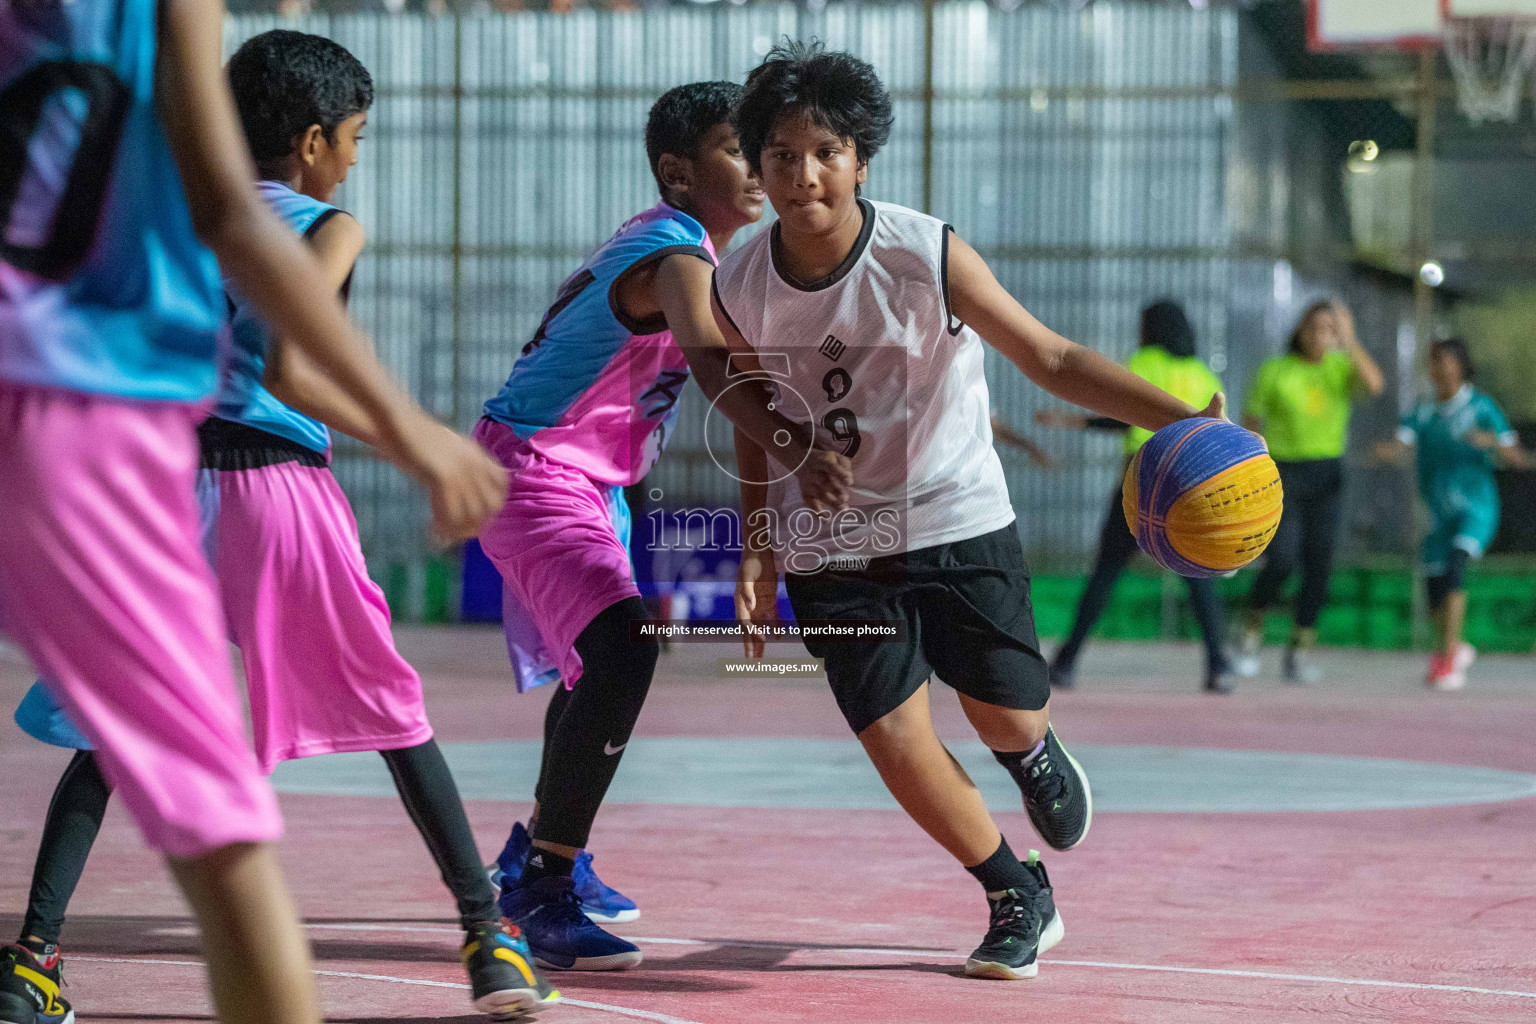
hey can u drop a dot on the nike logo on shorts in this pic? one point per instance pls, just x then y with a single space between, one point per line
610 749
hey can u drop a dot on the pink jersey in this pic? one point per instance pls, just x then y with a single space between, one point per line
595 390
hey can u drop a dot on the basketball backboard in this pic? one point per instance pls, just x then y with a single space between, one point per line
1399 24
1374 24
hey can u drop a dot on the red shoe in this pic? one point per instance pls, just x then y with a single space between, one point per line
1443 674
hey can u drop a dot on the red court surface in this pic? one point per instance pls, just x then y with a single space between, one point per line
791 913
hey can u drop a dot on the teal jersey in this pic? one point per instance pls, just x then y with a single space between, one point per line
104 288
1455 477
242 397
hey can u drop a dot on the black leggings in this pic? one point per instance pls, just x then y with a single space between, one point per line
1116 547
1454 578
587 727
74 817
421 775
1314 493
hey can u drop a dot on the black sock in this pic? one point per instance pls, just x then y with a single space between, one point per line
43 948
431 798
74 817
542 863
1002 871
1018 762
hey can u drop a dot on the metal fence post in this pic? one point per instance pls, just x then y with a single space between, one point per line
929 7
457 287
1426 97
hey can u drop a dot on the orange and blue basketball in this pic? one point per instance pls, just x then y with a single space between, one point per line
1203 497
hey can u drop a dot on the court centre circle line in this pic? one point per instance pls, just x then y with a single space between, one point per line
622 1011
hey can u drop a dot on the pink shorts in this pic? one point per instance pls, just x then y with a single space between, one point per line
557 544
312 627
104 584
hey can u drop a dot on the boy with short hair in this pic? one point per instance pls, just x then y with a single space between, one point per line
879 312
101 578
587 410
321 668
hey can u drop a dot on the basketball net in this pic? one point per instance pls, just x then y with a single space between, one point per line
1491 58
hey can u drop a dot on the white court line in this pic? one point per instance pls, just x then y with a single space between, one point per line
1415 985
622 1011
1102 965
647 940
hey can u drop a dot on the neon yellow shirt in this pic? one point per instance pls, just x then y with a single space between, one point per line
1303 406
1184 377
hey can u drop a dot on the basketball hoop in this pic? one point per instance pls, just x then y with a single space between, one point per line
1491 47
1492 59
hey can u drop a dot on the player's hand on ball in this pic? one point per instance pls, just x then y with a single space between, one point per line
1217 409
466 486
825 479
757 598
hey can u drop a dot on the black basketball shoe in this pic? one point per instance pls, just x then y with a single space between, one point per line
503 980
29 987
1056 795
1024 925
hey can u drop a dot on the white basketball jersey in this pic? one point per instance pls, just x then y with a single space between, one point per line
871 356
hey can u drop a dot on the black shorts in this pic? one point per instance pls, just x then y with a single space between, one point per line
968 616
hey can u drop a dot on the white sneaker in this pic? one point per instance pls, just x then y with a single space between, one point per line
1466 654
1246 662
1299 669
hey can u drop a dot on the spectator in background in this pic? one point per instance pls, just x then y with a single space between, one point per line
1461 435
1300 402
1166 358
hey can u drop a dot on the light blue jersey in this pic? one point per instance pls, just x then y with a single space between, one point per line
103 286
594 390
242 397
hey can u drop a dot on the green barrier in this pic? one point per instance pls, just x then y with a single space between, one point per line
1370 606
422 592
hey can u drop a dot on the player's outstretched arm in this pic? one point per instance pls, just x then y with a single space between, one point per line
270 264
1003 431
682 291
1065 369
294 377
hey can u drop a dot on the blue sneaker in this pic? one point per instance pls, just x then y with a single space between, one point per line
509 864
602 903
561 937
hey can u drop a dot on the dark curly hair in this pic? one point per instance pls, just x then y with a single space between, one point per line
836 90
1457 349
1164 324
284 82
682 117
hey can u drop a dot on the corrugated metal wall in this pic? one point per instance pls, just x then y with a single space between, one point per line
1084 153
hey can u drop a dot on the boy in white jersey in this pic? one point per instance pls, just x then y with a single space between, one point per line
874 315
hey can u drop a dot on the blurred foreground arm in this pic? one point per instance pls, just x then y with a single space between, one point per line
270 264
